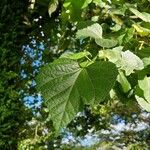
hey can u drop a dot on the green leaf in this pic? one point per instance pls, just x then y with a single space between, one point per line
73 9
142 15
93 31
127 36
86 3
144 72
144 52
108 43
141 31
119 11
84 24
146 61
116 27
131 62
126 61
52 6
124 82
113 55
116 19
76 56
145 86
66 87
143 103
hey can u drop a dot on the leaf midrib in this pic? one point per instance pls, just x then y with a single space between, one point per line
69 97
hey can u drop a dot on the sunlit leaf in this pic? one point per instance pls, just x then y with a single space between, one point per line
144 85
143 103
113 55
119 11
115 28
116 19
86 3
142 15
52 6
108 43
146 61
93 31
141 31
76 56
124 82
131 62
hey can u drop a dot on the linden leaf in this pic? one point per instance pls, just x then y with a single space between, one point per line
66 87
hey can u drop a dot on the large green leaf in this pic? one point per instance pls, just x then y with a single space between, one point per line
66 87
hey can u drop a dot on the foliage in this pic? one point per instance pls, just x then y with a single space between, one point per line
55 87
100 62
12 37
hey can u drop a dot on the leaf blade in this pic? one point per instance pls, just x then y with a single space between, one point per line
66 87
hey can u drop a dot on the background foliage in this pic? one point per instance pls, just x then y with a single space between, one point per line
13 113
